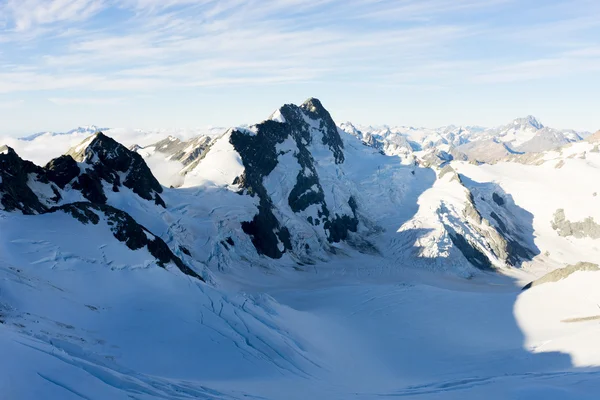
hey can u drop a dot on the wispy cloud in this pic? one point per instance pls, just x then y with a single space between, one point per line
78 50
27 14
180 32
89 101
568 63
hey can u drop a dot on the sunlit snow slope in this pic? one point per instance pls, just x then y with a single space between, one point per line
297 261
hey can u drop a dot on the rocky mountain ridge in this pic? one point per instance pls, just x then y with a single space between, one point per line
520 136
76 184
298 176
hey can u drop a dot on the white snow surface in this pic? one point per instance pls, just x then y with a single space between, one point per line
545 188
83 316
75 326
220 166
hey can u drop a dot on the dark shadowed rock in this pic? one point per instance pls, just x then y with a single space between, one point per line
259 154
62 170
498 199
471 253
109 161
184 151
15 193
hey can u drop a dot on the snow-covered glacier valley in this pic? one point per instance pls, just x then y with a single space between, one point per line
295 261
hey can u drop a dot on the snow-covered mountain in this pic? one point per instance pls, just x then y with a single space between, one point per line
82 130
174 157
41 148
184 151
522 135
298 259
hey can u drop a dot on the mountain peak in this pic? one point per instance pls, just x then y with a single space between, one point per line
7 150
115 164
15 175
86 129
349 128
528 121
313 105
97 143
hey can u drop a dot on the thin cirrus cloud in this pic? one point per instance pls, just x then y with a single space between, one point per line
102 52
93 101
27 14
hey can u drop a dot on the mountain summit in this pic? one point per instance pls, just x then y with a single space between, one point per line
527 122
111 162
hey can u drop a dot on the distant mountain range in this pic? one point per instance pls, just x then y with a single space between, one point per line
522 135
82 130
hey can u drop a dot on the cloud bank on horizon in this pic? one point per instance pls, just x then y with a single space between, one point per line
166 63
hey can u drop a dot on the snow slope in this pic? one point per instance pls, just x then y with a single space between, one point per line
409 285
557 180
147 333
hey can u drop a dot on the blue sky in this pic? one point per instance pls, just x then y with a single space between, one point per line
189 63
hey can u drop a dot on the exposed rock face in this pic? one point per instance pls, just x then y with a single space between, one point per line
475 256
563 273
34 190
497 199
488 151
439 158
126 230
15 176
498 223
184 151
579 229
488 229
62 170
307 126
111 162
547 139
259 156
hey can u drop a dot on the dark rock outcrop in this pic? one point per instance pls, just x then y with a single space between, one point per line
103 160
15 193
62 170
109 161
184 151
578 229
563 273
259 155
475 256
